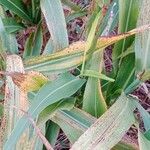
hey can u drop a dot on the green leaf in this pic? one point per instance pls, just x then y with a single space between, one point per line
125 145
142 40
93 101
52 132
63 87
11 25
145 116
17 7
28 46
108 130
53 13
74 122
49 111
34 43
91 73
36 11
52 128
2 97
75 15
38 41
1 110
110 21
92 36
124 67
8 41
3 37
147 134
123 79
127 52
49 47
128 14
144 143
12 45
70 4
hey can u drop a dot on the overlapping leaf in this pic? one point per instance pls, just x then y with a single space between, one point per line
34 43
11 25
110 128
73 55
14 98
55 20
124 67
52 92
17 7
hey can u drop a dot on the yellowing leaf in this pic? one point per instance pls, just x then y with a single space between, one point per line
30 81
106 41
144 75
74 52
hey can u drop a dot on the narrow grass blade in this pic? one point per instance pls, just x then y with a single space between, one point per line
17 7
8 41
75 15
72 5
53 13
34 43
91 73
12 26
124 67
128 14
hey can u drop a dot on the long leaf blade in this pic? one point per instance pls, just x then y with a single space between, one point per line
142 41
72 56
63 87
108 130
55 20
